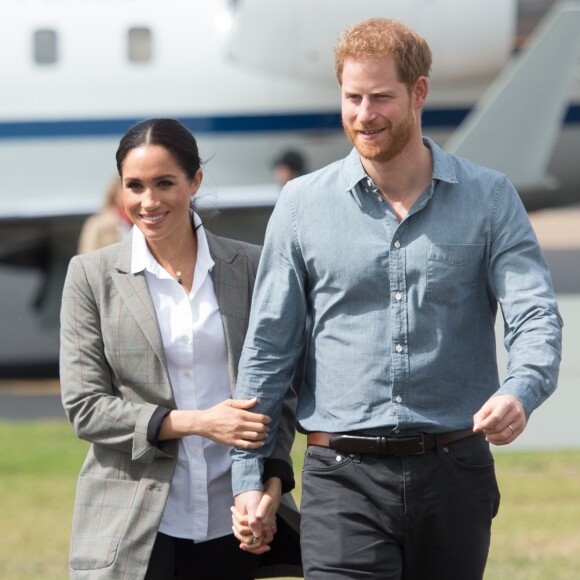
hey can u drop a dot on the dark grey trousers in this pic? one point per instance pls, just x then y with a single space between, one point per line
419 517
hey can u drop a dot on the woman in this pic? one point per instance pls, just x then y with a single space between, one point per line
151 334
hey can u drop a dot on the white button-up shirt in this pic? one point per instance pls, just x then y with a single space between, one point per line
198 506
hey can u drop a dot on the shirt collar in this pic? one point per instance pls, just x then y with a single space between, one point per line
142 259
354 172
443 169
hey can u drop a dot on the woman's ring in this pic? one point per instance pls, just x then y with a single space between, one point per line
511 429
255 540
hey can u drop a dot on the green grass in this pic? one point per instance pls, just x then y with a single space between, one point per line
536 534
39 463
535 537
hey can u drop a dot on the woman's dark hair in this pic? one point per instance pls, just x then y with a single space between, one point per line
167 133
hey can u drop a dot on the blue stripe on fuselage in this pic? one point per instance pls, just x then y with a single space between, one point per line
432 118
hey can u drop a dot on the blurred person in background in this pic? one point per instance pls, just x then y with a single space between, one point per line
289 165
108 226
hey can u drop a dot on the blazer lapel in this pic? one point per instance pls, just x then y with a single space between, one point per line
232 288
134 291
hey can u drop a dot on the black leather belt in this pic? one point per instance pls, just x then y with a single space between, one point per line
406 445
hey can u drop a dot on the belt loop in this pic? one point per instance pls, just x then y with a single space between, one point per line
384 445
423 448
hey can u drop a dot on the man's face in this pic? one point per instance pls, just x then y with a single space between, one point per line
377 109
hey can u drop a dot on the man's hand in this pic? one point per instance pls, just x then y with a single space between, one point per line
254 517
502 418
247 526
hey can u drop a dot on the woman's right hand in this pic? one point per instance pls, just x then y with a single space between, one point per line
228 423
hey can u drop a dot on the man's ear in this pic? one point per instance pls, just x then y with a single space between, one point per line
420 92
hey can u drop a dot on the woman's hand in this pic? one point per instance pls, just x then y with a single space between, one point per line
254 517
228 423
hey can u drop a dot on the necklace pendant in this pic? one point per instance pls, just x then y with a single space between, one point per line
179 278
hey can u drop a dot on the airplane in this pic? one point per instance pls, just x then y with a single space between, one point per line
250 78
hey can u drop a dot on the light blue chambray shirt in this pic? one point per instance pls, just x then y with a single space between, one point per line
401 336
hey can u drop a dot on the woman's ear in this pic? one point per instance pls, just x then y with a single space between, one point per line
196 181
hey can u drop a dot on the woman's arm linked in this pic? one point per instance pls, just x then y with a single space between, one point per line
228 423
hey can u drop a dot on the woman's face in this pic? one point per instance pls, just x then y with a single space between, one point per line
157 192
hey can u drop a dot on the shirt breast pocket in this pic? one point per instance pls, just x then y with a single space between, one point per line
452 272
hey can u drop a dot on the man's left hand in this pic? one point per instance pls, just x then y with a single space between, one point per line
502 418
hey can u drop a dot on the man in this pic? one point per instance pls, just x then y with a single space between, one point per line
288 166
400 254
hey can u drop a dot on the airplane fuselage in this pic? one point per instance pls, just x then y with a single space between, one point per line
250 78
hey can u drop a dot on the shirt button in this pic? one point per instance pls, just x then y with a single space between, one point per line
398 296
398 399
397 431
186 374
397 244
197 452
184 339
399 348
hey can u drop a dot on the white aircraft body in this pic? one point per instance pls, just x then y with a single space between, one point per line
251 78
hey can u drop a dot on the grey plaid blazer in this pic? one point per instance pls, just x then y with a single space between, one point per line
113 376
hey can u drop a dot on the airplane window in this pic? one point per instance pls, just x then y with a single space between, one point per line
140 49
45 46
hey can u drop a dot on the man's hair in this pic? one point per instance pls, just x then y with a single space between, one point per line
378 38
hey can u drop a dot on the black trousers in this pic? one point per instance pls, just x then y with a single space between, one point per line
418 517
219 559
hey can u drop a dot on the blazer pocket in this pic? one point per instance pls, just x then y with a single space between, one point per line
452 272
102 510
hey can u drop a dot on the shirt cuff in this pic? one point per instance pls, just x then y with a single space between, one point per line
279 468
247 475
522 392
154 425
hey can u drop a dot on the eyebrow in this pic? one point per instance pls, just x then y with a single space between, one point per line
164 176
373 92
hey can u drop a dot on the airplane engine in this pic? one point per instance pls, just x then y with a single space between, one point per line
470 40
